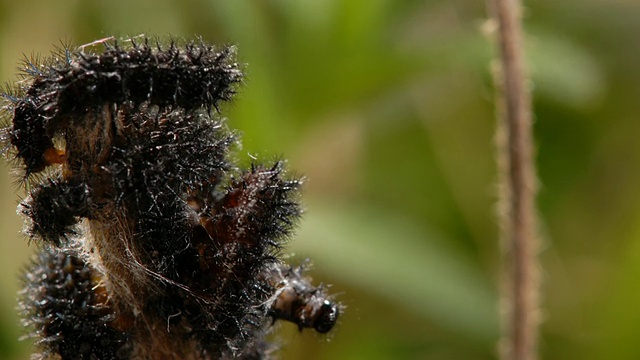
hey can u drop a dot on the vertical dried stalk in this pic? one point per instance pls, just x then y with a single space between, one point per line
519 219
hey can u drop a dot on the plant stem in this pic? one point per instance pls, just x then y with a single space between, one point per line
519 183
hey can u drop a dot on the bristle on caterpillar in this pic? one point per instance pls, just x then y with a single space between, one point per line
149 226
190 76
64 302
296 300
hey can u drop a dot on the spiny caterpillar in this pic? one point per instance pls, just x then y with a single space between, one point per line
154 244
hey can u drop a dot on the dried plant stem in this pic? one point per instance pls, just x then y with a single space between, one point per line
519 184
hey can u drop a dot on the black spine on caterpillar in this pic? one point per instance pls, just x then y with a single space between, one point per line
154 167
55 208
159 152
29 136
65 306
296 300
237 239
188 242
190 77
166 172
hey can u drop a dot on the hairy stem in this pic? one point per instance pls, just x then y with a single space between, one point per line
519 188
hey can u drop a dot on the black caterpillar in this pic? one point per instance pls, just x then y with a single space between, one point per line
154 244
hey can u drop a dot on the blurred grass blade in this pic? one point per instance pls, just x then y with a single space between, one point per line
377 252
563 70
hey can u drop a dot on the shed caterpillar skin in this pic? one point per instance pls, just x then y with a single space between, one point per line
155 245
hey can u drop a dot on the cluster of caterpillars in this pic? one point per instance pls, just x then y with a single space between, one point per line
154 244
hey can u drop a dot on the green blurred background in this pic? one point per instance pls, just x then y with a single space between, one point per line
387 107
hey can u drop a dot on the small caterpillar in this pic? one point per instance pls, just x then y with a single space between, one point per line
155 245
296 300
